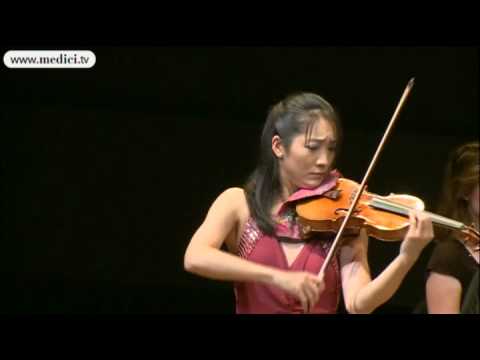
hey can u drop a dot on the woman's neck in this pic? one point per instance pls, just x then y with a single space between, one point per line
285 192
287 188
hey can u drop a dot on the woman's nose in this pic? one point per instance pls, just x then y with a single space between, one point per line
322 159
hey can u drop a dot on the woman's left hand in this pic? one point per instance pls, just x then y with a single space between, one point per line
418 236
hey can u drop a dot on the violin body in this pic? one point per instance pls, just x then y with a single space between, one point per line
326 213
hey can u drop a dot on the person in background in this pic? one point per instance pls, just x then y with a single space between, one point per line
453 263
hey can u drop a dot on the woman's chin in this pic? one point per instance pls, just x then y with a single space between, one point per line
312 184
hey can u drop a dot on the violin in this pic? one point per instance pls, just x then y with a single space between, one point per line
351 208
383 217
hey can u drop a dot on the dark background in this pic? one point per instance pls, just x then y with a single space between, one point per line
107 172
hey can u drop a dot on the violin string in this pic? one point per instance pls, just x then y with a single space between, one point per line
404 209
439 220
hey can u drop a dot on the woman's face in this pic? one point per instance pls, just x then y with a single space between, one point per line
306 165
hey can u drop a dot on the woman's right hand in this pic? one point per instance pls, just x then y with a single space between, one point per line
304 286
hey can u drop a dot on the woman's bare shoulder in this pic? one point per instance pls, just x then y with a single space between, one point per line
234 199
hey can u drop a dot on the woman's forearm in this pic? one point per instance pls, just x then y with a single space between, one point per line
384 286
220 265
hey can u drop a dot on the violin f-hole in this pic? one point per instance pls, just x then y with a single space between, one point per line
337 211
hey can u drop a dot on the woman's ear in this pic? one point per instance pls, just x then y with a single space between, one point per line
277 147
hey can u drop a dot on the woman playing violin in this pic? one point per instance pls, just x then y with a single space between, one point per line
275 270
453 263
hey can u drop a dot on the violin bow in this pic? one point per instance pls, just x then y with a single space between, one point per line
335 243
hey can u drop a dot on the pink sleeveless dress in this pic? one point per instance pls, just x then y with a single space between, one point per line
254 297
